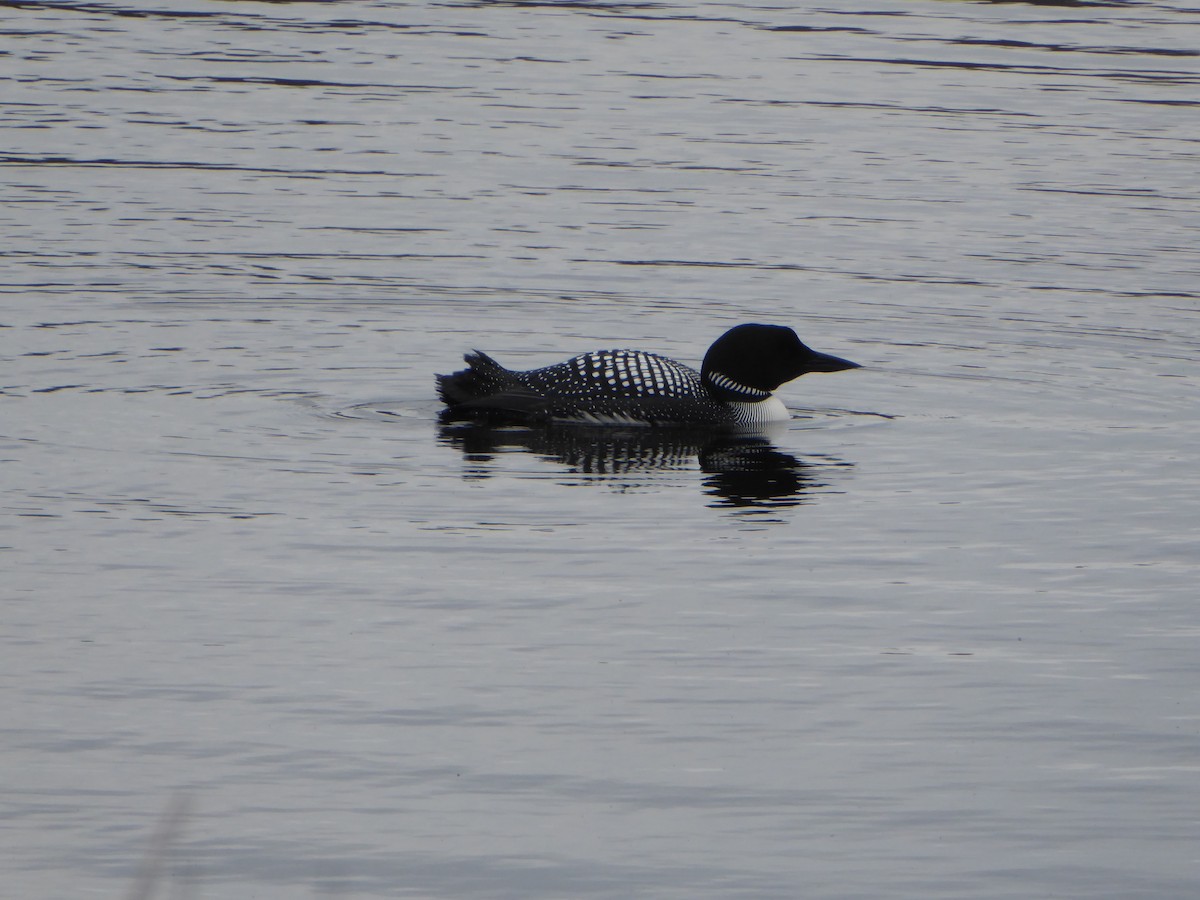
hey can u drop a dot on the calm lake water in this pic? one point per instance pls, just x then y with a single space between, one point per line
270 631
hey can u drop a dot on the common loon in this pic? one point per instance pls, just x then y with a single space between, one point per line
732 390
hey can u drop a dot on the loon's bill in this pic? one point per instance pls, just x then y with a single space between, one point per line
733 389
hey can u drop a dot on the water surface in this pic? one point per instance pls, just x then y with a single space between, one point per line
270 630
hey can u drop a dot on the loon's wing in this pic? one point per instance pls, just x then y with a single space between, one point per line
517 402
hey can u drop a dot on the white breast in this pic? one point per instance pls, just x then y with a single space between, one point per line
761 412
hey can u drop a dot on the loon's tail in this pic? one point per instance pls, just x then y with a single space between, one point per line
484 378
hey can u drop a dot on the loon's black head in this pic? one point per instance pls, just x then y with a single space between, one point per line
761 358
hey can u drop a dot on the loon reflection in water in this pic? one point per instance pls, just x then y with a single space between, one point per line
743 470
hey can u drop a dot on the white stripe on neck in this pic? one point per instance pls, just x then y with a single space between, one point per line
726 383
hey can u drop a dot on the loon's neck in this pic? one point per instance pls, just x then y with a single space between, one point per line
725 388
